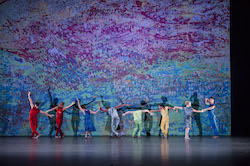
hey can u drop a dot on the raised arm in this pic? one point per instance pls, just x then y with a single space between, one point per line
94 112
120 106
30 100
80 107
45 113
69 106
206 101
104 110
128 112
51 109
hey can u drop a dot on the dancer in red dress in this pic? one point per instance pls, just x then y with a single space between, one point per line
33 116
59 117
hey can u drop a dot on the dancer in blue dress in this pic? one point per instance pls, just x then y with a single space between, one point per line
89 125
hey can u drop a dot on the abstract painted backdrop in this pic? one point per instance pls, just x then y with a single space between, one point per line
125 51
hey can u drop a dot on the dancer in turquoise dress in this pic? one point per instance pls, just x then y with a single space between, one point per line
89 125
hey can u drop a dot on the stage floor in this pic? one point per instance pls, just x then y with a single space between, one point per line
124 151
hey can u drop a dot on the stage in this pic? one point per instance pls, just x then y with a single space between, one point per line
124 151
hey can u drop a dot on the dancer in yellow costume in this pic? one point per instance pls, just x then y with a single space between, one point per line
165 118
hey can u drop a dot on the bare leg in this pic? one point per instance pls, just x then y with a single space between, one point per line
86 134
187 133
89 134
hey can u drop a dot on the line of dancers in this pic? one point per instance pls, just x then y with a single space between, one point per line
115 119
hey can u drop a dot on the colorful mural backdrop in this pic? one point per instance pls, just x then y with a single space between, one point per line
118 51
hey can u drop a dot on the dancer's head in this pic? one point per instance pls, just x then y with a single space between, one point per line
61 105
37 104
188 103
211 100
161 106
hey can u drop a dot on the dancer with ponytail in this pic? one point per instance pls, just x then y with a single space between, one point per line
89 125
59 117
33 116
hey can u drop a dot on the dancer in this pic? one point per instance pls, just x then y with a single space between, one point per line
211 106
33 116
148 119
165 118
52 120
112 111
89 126
164 102
138 121
75 119
59 117
187 118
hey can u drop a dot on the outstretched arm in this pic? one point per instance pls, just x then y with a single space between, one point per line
129 112
180 108
30 100
199 111
51 109
69 106
148 112
209 108
80 107
155 111
172 109
104 110
94 112
120 106
45 113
